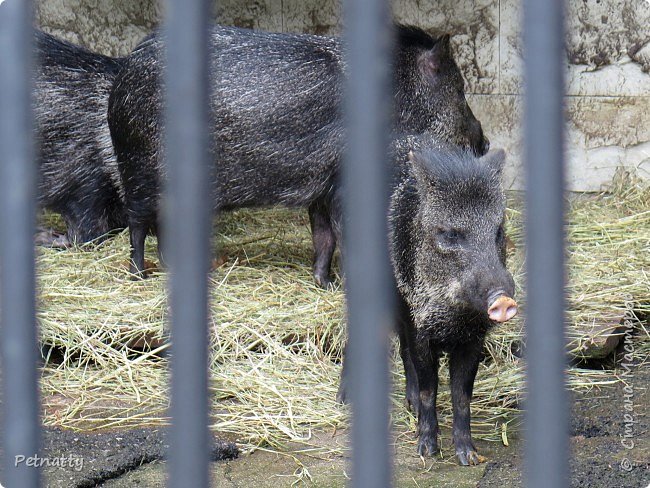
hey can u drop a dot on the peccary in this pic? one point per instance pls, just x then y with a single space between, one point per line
447 247
78 175
278 134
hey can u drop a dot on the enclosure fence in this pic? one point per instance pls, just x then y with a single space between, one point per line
367 268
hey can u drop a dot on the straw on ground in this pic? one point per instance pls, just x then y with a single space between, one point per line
276 339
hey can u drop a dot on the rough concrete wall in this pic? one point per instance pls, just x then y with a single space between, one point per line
607 59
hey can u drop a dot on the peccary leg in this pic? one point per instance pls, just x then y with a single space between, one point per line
160 247
426 369
463 365
412 387
137 234
342 394
336 223
420 359
324 242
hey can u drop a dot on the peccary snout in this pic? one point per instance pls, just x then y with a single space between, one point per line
502 308
485 146
489 290
77 167
479 143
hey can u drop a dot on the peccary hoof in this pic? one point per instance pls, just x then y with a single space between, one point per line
324 281
467 455
138 275
412 399
149 267
428 444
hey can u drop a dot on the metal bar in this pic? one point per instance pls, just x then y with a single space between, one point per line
20 399
368 273
187 230
546 446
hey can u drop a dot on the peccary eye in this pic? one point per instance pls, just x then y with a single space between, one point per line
449 237
500 234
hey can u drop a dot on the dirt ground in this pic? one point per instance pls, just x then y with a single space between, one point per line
601 455
608 450
599 458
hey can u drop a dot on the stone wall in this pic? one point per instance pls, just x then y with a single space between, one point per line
607 59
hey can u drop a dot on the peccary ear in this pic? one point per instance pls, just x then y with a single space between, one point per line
433 60
420 172
495 160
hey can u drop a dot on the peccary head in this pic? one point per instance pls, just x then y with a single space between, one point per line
448 244
430 93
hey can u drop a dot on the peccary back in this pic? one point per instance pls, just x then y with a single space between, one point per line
78 175
276 103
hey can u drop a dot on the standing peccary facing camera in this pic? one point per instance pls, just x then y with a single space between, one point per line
77 167
447 247
278 133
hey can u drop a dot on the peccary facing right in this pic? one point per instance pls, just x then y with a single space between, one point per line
278 131
447 247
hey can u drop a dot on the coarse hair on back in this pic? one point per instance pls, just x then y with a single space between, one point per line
51 51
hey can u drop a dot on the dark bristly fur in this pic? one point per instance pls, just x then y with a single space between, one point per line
78 175
447 247
278 135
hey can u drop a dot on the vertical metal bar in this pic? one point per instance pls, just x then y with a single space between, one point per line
546 445
187 229
20 399
368 273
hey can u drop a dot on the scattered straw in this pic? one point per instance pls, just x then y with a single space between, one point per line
276 338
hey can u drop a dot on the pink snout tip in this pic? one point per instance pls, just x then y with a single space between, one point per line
502 309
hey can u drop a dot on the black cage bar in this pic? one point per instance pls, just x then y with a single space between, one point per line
187 229
187 210
20 419
546 436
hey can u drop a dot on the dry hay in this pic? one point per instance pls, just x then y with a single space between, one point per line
276 338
